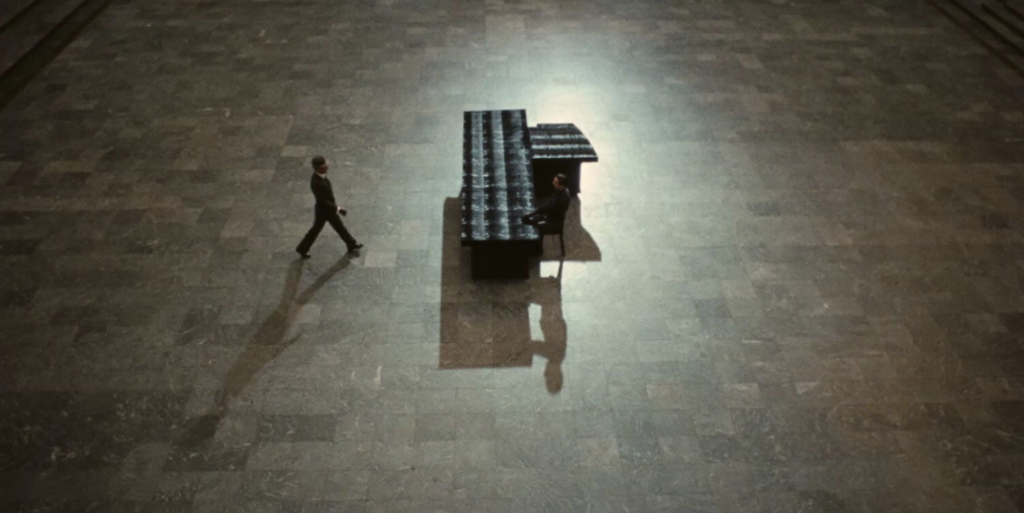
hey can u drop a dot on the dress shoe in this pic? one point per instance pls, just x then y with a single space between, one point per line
354 247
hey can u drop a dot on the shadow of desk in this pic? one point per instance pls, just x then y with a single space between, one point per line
487 324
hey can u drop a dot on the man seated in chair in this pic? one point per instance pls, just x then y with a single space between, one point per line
550 217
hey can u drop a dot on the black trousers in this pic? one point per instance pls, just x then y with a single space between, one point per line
322 217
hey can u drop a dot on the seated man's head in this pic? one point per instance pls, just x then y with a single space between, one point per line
559 182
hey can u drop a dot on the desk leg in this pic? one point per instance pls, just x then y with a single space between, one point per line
543 172
573 174
502 263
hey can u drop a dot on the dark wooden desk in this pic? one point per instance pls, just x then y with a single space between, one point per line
497 191
559 148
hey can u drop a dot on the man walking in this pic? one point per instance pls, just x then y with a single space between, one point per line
325 211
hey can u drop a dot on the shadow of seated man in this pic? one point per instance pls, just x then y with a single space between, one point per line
550 217
552 325
548 294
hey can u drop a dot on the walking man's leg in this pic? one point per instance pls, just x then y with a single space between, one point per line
350 241
311 235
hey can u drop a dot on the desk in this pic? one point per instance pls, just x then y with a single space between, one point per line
559 148
497 191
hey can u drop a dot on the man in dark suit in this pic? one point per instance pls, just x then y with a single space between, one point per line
325 211
551 216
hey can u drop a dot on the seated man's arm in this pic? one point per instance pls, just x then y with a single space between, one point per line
555 206
552 206
544 210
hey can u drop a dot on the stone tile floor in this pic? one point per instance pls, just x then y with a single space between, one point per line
794 280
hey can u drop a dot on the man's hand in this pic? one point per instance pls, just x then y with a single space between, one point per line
342 211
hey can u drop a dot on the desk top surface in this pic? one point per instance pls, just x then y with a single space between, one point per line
561 141
497 178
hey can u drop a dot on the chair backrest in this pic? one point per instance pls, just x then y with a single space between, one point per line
557 223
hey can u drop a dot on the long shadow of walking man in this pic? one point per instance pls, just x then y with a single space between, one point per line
266 343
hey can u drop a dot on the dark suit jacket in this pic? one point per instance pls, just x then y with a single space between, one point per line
556 207
324 193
